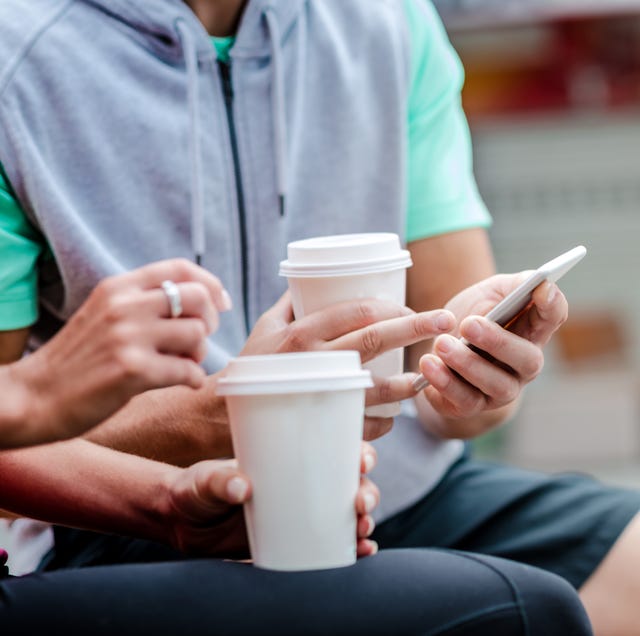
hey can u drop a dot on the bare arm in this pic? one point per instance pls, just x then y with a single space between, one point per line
175 425
12 344
80 484
79 495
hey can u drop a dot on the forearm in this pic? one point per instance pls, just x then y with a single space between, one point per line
177 425
80 484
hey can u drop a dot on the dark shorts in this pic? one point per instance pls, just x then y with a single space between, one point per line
398 592
563 523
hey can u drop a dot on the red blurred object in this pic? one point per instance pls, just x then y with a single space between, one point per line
579 63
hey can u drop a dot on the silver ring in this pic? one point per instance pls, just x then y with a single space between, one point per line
172 292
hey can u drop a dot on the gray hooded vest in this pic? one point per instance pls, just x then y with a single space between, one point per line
127 142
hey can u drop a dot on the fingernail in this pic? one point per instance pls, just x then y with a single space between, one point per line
226 303
371 526
369 502
374 547
473 328
369 462
444 322
553 290
237 489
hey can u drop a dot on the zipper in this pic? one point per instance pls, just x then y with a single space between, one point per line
227 91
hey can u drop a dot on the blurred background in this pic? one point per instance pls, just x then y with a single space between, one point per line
553 99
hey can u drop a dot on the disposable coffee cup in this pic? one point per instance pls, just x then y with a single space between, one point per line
330 269
296 424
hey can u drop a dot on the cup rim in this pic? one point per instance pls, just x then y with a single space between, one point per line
294 380
282 385
401 260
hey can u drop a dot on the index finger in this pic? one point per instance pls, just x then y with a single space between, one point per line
390 334
341 318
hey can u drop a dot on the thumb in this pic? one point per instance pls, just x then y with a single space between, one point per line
283 309
208 488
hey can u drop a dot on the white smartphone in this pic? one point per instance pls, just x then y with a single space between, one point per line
510 307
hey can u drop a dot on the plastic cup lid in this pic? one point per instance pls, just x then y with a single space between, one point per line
344 255
294 373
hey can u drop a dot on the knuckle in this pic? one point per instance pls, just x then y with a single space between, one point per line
183 371
470 404
371 342
296 339
421 326
115 309
182 268
493 341
365 312
533 365
385 391
129 363
120 336
106 287
507 391
200 295
199 331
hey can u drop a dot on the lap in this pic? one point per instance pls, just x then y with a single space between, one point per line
396 592
565 524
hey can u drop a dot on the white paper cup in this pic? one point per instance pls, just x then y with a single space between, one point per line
296 424
330 269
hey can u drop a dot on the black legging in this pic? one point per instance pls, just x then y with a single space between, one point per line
422 592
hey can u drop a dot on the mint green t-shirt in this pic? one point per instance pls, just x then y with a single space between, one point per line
441 191
20 248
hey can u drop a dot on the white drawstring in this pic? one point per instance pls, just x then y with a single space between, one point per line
197 182
277 108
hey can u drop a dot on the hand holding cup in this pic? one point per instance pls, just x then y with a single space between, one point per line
204 516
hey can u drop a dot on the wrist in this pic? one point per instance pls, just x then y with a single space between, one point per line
218 417
15 417
158 509
204 430
452 427
27 416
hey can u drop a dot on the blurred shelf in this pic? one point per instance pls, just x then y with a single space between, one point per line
469 16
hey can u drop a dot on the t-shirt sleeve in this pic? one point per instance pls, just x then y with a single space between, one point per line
20 248
442 192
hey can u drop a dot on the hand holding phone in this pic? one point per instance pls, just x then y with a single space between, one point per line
512 305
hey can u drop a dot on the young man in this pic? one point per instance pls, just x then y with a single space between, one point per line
300 118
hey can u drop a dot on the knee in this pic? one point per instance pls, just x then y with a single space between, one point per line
550 605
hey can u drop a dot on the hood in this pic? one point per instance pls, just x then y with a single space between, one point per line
172 30
157 19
